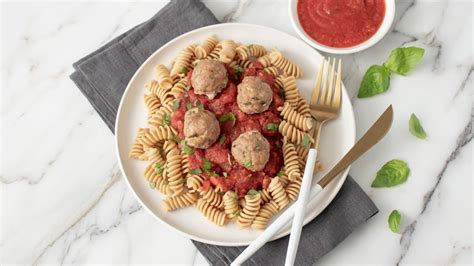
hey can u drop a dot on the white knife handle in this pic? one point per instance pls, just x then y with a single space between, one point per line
271 230
300 207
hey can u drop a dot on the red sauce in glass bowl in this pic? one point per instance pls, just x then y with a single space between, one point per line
341 23
225 172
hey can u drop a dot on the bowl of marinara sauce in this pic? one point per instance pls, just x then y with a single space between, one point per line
342 26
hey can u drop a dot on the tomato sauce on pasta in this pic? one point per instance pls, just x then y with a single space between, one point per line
225 172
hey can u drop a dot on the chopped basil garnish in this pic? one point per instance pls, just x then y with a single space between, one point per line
305 141
175 138
236 213
228 116
280 173
152 185
195 171
185 148
222 139
272 126
166 119
188 106
206 165
184 70
248 163
252 192
201 107
238 69
187 88
176 104
159 169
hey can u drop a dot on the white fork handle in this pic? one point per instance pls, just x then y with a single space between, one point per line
271 230
300 207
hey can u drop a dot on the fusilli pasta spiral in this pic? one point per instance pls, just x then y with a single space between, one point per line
163 77
227 54
296 119
137 151
194 182
265 60
244 52
291 91
152 102
302 107
213 198
284 64
179 87
183 62
156 135
293 134
174 171
231 204
213 214
161 116
265 195
180 201
202 51
266 212
250 211
290 157
293 189
278 193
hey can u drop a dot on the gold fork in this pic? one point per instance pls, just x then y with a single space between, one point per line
324 106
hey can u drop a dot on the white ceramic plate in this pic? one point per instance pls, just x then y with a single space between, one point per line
336 138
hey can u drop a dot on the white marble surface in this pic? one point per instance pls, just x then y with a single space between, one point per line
65 201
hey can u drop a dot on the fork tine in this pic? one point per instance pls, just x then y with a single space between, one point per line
331 83
337 93
324 91
317 88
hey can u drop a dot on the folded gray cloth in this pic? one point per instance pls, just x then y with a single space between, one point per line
102 77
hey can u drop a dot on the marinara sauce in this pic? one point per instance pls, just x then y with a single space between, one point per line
224 171
341 23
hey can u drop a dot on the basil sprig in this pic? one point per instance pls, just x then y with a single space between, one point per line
394 172
377 78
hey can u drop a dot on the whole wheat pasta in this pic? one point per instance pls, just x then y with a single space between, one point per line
250 211
284 64
180 201
202 51
244 52
296 119
180 171
266 212
278 193
213 214
163 77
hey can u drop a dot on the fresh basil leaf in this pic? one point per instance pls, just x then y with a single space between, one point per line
185 148
415 127
305 141
166 119
394 172
201 107
213 173
187 88
196 171
159 168
184 70
280 173
188 106
228 116
175 104
394 221
248 163
375 81
237 69
206 165
175 138
403 60
252 192
222 139
272 126
152 185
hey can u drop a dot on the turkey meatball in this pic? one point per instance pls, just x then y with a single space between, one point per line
251 150
201 128
209 78
253 95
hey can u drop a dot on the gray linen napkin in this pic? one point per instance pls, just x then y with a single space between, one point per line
102 77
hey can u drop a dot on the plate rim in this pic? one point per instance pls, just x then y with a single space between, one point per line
310 217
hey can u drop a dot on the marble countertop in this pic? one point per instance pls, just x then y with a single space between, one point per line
64 199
